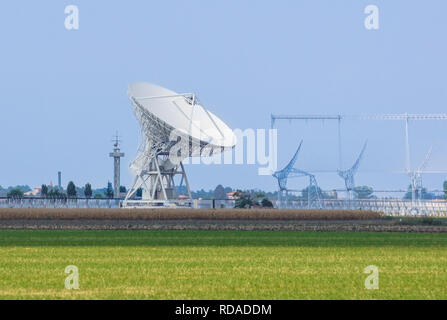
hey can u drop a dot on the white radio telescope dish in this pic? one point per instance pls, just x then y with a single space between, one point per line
171 122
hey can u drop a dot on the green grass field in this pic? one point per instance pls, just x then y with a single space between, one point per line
221 265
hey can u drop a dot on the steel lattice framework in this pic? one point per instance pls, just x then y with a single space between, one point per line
313 191
402 117
348 175
174 127
414 177
154 172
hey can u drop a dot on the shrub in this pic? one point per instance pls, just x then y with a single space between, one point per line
15 193
266 203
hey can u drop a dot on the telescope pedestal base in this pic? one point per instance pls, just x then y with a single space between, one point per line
158 186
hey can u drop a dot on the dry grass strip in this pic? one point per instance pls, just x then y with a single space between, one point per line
184 214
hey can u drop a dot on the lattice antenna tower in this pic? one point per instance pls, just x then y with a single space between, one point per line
349 175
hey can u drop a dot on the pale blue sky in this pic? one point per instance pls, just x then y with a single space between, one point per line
63 93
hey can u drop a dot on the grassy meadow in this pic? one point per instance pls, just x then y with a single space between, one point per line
221 265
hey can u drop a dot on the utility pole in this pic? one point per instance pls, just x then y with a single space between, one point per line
116 155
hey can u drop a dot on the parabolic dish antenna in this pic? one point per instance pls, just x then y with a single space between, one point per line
171 124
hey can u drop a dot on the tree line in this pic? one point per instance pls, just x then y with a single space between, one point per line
219 193
73 192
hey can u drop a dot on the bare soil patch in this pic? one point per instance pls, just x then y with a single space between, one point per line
230 225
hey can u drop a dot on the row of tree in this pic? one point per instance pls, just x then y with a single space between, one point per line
73 192
220 192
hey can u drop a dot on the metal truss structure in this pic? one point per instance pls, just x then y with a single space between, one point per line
173 127
378 117
415 178
338 118
348 175
154 171
401 117
313 191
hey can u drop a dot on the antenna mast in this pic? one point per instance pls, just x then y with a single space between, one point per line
116 155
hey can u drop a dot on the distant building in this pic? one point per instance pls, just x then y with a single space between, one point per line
232 195
33 193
